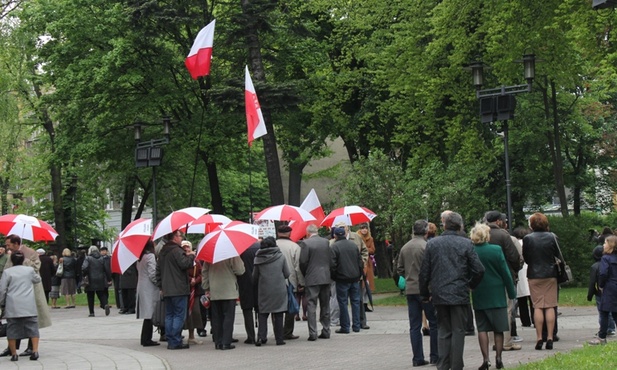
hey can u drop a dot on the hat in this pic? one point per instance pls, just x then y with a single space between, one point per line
40 251
185 243
492 216
340 224
283 229
339 232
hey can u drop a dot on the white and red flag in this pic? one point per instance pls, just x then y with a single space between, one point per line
200 56
311 203
254 119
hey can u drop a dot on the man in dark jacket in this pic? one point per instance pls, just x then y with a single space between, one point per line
315 266
451 268
173 281
47 271
346 269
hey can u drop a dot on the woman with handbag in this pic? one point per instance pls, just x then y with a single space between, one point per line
541 251
95 276
68 286
269 274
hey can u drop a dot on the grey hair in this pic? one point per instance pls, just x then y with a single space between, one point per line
92 249
452 221
312 229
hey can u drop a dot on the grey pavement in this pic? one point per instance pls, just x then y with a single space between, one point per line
76 341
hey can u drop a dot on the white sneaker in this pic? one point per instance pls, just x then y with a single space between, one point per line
611 333
597 341
517 339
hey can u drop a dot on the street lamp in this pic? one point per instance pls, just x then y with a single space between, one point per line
150 154
74 186
498 104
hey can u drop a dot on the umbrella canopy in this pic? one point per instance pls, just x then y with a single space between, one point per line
27 227
285 212
131 242
227 242
350 215
207 223
177 220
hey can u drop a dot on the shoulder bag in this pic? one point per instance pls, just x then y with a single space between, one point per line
564 273
60 270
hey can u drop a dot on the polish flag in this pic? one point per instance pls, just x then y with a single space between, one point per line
200 56
254 119
311 203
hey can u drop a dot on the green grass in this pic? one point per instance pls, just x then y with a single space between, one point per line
568 297
589 357
82 300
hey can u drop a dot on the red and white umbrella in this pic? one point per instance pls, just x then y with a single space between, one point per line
350 215
227 242
207 223
131 242
27 227
178 220
285 212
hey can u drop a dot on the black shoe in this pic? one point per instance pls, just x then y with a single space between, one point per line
281 343
5 353
258 343
234 340
485 366
341 331
34 356
202 333
91 315
122 312
549 344
323 336
539 345
131 312
14 358
163 338
312 339
366 327
151 344
107 310
366 309
179 346
291 336
420 363
426 332
226 347
498 363
27 352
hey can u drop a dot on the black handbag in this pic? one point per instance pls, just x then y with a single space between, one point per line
564 273
158 317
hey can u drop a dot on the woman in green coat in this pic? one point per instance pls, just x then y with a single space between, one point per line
489 298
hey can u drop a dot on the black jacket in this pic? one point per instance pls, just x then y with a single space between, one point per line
539 251
346 265
246 289
98 272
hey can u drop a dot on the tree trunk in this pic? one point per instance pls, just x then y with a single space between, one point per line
295 183
269 140
213 180
127 200
4 191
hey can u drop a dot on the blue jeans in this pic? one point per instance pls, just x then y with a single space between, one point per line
343 291
175 313
415 306
611 322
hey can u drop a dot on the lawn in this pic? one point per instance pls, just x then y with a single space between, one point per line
389 295
82 300
589 357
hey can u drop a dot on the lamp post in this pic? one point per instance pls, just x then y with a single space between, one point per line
150 154
498 104
74 185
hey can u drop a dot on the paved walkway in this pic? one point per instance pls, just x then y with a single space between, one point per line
77 342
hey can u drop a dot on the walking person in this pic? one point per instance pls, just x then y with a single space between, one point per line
539 251
315 266
98 274
451 268
489 297
148 294
408 267
269 274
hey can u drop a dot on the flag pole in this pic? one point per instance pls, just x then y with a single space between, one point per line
201 127
250 185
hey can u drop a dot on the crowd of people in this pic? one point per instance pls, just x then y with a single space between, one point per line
450 280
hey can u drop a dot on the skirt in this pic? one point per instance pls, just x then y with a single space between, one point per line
55 291
492 319
543 292
68 286
22 327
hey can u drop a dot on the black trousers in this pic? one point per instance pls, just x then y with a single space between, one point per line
277 324
146 332
102 299
128 299
249 324
223 315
